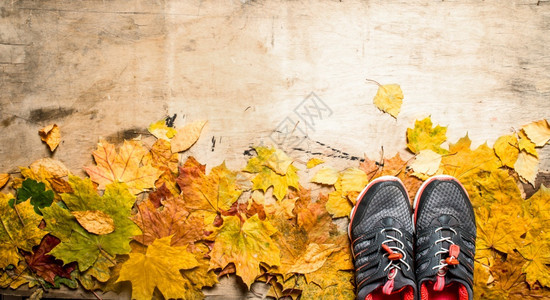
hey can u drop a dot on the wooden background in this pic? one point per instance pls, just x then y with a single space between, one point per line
256 69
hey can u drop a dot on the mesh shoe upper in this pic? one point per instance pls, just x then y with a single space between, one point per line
381 232
445 238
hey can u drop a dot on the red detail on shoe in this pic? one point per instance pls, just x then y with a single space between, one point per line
452 291
439 283
388 287
405 293
452 260
392 255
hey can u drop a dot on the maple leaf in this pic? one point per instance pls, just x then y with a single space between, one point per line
424 137
496 186
389 99
507 149
77 244
159 267
314 162
4 178
350 182
51 135
247 245
187 136
329 273
161 157
495 231
207 194
161 131
313 258
268 166
45 265
426 162
36 192
537 254
17 276
124 166
18 230
342 290
538 132
169 220
394 166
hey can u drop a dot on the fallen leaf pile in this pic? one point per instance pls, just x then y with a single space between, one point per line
170 228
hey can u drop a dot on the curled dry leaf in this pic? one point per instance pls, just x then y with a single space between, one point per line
538 132
187 136
95 221
4 178
527 167
51 135
53 166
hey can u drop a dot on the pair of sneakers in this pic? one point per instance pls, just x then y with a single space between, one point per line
425 253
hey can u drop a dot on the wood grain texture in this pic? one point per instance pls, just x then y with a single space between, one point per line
109 68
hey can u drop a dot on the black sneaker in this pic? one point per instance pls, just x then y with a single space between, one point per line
381 234
445 240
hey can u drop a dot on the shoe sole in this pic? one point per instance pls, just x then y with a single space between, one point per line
385 178
424 185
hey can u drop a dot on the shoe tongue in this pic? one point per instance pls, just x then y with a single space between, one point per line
399 283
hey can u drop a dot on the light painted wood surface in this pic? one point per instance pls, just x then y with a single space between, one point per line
109 68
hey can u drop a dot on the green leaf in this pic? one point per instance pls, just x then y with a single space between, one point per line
36 191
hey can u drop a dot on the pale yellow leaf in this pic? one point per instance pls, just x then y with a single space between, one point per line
525 144
313 258
326 175
527 166
389 98
507 149
538 132
353 180
51 135
95 221
187 136
314 162
426 162
53 166
279 162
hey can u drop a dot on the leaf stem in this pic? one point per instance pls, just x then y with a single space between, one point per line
370 80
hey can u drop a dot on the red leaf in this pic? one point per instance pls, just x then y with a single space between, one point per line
45 265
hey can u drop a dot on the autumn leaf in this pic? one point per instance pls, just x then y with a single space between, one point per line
169 220
426 162
45 265
313 258
527 167
538 132
537 254
51 135
162 131
95 221
507 149
314 162
425 137
36 192
495 231
19 230
161 157
187 136
389 99
4 178
525 144
159 268
326 175
124 166
77 244
207 194
247 245
268 168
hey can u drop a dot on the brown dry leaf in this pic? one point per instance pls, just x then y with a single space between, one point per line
4 178
389 98
527 167
51 135
95 221
538 132
187 136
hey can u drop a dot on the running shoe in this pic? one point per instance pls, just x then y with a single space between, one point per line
445 240
381 234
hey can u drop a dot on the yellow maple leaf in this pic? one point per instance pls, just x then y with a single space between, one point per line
125 166
326 175
423 136
353 180
247 245
527 167
161 131
187 136
538 132
426 162
51 135
314 162
389 99
537 254
159 267
279 162
4 178
507 149
495 231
